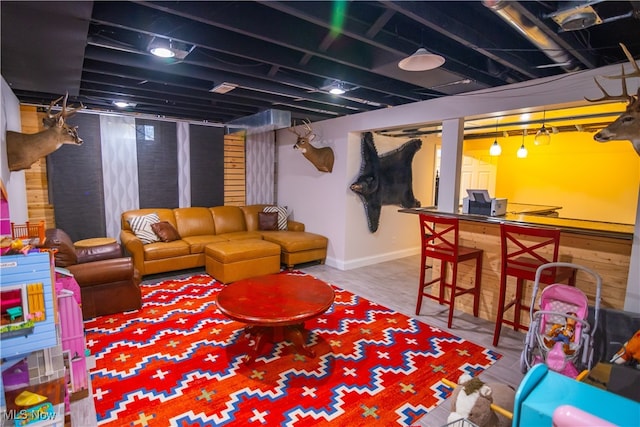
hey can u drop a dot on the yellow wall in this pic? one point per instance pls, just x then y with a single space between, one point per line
590 180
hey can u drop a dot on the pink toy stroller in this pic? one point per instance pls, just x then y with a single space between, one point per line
559 334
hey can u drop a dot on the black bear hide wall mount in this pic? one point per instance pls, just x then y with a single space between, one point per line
386 179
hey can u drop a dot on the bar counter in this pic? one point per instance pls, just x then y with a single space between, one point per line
518 213
600 246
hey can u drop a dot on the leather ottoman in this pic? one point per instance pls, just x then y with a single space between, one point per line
240 259
298 247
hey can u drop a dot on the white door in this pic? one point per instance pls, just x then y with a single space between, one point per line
478 171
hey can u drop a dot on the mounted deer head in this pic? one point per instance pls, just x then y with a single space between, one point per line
23 149
322 158
627 125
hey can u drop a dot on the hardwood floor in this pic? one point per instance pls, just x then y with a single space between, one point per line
394 284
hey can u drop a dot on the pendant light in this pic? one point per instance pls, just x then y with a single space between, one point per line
421 60
495 149
543 137
522 151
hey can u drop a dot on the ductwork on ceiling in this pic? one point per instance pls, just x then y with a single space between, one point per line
578 15
528 29
264 121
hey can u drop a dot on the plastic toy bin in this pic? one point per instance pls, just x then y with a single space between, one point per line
542 391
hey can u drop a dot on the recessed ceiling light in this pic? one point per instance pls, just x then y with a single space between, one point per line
163 52
223 87
337 88
124 104
167 48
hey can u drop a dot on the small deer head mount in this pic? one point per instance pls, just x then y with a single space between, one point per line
23 150
627 125
321 158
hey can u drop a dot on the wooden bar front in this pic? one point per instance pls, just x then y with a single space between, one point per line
606 253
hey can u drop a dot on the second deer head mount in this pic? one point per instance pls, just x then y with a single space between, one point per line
627 125
322 158
24 149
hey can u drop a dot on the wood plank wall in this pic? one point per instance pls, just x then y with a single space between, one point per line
234 169
38 205
608 257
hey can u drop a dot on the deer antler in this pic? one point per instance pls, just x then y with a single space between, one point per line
624 96
307 125
635 73
52 119
627 125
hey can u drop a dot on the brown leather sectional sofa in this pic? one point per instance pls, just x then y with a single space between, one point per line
201 226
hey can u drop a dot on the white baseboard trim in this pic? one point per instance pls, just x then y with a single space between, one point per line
375 259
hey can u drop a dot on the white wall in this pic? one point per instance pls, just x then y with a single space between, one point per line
324 202
14 182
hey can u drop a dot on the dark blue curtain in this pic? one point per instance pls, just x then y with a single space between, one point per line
157 150
207 165
75 182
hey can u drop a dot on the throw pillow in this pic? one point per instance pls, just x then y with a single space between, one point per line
141 227
282 215
165 231
267 220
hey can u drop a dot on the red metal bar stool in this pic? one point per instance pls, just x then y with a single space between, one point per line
440 240
524 249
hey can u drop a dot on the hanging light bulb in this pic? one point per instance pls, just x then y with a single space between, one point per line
522 151
495 149
543 137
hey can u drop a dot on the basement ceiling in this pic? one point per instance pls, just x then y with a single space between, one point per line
286 54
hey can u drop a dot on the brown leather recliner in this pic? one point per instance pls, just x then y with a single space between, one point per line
108 282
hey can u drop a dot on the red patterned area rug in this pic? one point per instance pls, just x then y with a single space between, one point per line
180 362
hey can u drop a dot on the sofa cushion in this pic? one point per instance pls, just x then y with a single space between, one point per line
282 215
241 235
197 243
163 213
194 221
162 250
228 219
141 227
267 221
251 215
165 231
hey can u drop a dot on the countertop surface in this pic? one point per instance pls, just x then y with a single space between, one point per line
526 214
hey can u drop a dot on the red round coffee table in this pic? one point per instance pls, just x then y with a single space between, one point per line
275 307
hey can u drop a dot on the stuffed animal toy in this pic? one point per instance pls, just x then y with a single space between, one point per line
629 353
471 400
562 333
